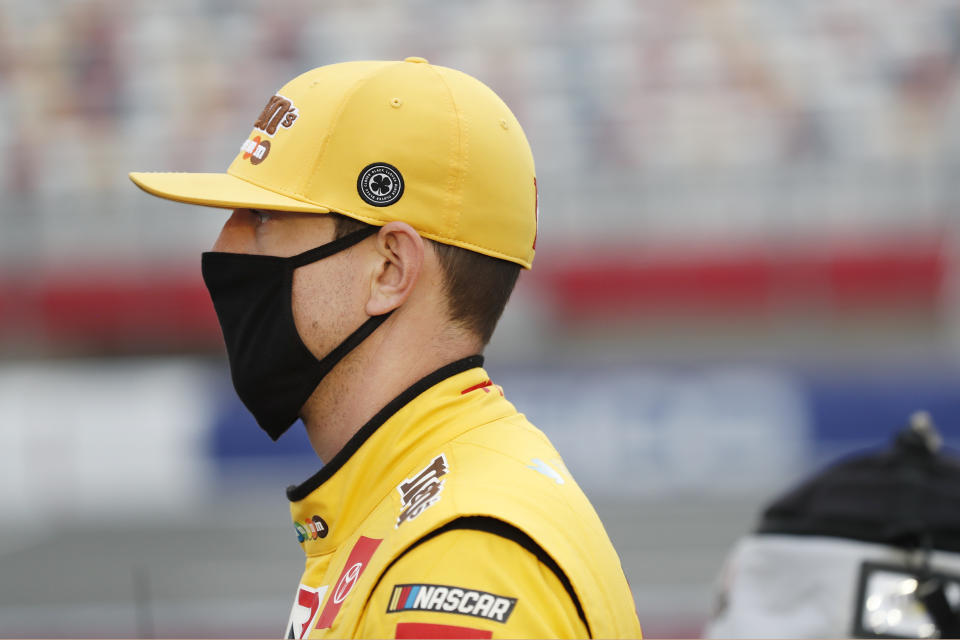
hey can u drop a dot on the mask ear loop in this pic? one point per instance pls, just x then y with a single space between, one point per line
330 248
328 362
315 255
352 341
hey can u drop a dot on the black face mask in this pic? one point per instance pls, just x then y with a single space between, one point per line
273 371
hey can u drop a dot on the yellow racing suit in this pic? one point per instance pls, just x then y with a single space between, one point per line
450 515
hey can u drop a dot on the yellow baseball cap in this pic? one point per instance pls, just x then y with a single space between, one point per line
382 141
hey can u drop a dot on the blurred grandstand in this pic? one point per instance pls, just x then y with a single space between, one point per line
747 264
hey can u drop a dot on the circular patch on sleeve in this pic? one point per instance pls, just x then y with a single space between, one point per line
380 184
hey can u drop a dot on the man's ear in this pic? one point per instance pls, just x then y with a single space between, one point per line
401 252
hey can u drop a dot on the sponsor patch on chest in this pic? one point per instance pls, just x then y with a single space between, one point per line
306 606
359 558
447 599
422 490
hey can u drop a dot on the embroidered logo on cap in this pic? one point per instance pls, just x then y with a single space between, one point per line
279 112
255 150
380 184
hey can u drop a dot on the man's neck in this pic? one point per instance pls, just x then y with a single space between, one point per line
368 378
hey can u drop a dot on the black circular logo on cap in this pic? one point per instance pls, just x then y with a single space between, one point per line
380 184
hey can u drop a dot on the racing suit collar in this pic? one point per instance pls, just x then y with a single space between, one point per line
330 504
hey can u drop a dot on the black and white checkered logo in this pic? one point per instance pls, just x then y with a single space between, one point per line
380 184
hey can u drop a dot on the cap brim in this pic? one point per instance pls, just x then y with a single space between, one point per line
218 190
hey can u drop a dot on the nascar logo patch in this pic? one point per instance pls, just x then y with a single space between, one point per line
447 599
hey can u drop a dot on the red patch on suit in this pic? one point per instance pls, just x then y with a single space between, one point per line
427 630
359 557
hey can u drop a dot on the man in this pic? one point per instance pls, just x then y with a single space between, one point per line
382 212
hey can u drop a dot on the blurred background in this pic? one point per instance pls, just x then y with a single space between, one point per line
746 268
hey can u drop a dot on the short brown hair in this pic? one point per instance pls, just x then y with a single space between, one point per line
477 286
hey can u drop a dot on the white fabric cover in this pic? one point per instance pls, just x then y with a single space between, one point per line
785 586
